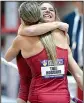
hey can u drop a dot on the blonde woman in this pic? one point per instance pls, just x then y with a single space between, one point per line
25 74
48 57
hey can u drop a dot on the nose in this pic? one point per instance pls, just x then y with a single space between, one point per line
47 10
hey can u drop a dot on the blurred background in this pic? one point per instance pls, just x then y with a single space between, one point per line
9 25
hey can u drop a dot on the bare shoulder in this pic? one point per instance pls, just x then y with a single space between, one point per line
59 31
22 29
22 40
60 38
17 40
59 34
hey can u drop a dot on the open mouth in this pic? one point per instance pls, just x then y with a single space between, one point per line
47 16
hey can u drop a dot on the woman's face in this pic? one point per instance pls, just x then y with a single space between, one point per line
47 12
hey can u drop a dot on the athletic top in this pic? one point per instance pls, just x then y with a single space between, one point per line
25 77
48 85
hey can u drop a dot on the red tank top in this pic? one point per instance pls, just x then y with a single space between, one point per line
48 90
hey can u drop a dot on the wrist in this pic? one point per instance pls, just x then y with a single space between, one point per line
56 24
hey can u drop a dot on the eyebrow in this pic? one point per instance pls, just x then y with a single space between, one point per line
49 8
43 7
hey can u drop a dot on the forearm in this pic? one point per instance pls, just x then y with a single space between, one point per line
79 78
76 72
19 100
42 28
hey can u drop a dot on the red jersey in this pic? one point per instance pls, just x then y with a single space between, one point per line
48 90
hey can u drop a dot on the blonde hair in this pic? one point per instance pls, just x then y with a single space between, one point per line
48 41
30 13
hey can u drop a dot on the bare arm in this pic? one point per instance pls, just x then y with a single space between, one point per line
42 28
75 70
19 100
12 51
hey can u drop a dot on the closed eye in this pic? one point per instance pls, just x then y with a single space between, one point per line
44 8
51 9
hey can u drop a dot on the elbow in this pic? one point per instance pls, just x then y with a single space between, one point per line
31 31
28 31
